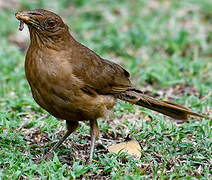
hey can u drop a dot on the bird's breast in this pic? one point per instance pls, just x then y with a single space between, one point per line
56 89
50 80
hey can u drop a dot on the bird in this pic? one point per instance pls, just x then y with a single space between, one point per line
73 83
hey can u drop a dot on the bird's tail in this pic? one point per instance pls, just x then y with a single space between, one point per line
171 109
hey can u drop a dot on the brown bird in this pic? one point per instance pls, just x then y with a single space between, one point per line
73 83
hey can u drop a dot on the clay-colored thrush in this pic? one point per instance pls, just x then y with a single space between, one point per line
73 83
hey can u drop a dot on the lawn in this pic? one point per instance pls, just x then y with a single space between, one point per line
167 48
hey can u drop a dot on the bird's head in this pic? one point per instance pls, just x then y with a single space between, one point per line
43 23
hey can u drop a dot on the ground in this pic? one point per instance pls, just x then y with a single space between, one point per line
167 48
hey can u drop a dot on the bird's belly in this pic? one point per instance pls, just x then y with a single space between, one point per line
72 105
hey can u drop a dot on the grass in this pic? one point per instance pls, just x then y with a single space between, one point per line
165 45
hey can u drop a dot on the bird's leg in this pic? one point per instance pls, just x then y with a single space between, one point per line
94 132
70 126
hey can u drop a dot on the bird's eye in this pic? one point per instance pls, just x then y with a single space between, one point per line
51 23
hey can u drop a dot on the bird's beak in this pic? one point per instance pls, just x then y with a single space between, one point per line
22 17
29 17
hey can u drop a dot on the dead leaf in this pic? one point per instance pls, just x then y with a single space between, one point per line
144 170
38 137
131 147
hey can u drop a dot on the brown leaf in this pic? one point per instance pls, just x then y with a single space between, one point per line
131 147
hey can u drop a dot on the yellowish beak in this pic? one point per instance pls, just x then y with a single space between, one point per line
22 17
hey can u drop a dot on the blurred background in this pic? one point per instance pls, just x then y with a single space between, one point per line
166 45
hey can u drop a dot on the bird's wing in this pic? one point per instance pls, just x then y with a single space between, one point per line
103 76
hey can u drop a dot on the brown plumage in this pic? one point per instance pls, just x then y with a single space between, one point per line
73 83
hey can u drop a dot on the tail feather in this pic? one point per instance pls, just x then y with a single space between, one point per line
170 109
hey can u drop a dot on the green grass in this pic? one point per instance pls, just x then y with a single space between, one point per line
167 48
